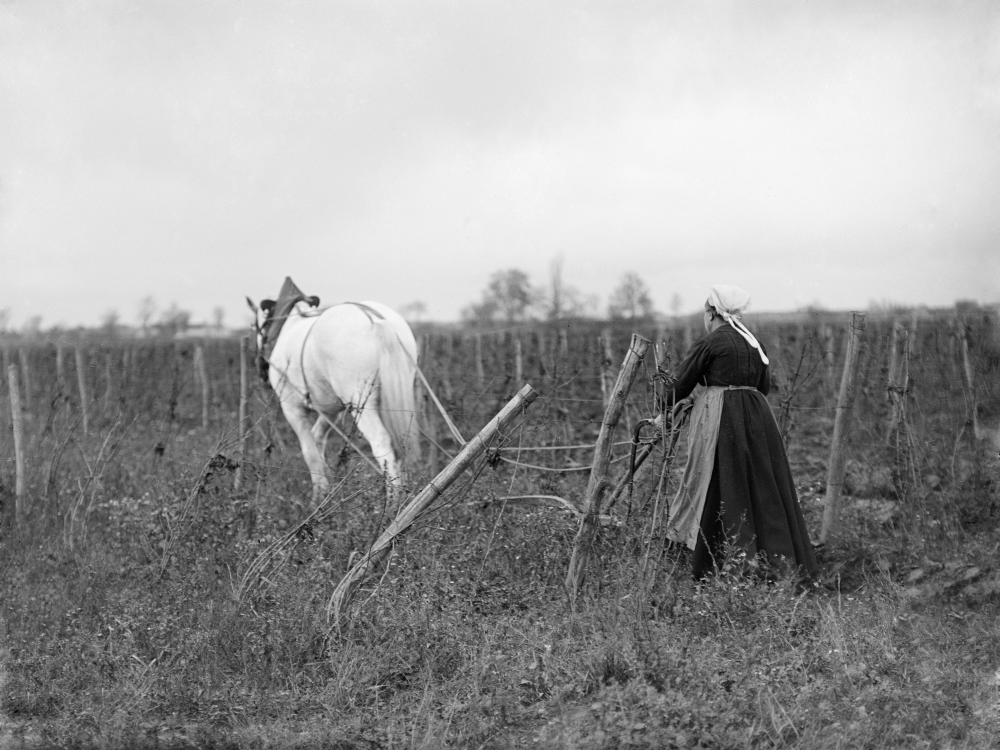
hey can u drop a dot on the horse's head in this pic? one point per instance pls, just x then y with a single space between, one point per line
261 325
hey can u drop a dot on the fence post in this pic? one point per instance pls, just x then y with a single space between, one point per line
109 387
826 333
480 374
842 427
17 421
518 360
61 370
244 414
607 362
26 389
598 485
81 379
540 336
201 376
898 377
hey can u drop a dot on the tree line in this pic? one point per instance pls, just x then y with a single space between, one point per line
511 297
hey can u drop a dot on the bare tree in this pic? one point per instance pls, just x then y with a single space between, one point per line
560 300
147 308
630 299
509 297
175 320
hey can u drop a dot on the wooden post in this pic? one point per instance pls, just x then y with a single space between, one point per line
26 389
109 387
81 379
913 345
125 379
563 343
967 368
429 424
518 361
17 421
480 374
201 377
372 561
542 372
61 369
244 414
607 362
898 377
826 333
842 427
445 368
598 485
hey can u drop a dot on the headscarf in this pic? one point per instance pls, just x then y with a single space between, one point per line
730 301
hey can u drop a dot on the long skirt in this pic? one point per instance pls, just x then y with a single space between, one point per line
748 503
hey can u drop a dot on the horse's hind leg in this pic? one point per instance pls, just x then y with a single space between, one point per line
380 442
301 421
320 432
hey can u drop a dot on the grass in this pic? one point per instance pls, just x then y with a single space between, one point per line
136 635
470 642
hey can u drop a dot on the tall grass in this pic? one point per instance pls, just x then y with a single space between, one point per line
139 634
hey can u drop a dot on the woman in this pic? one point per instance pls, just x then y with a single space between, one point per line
737 488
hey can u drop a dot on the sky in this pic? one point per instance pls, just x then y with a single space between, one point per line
824 153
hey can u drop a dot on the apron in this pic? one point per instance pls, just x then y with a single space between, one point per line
703 437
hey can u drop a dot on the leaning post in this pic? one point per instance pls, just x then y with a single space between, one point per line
599 484
372 561
842 427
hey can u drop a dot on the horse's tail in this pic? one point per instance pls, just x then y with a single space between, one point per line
397 404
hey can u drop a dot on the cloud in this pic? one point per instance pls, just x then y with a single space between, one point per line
405 151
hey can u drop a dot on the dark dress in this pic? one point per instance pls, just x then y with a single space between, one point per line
751 501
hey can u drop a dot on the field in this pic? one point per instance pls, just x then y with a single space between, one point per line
135 610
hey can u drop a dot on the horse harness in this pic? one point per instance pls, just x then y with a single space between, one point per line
264 362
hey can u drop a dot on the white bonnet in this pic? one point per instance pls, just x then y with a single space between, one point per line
730 302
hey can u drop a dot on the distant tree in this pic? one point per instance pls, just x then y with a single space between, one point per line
147 308
966 305
509 297
4 319
109 323
218 316
413 311
560 300
630 299
175 320
32 326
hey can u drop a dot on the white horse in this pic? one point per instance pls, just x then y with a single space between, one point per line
359 356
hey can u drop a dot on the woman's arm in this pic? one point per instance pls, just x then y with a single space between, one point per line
690 372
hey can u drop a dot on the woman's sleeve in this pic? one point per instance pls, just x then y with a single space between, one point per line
690 372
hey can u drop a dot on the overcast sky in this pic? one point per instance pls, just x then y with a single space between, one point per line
823 152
